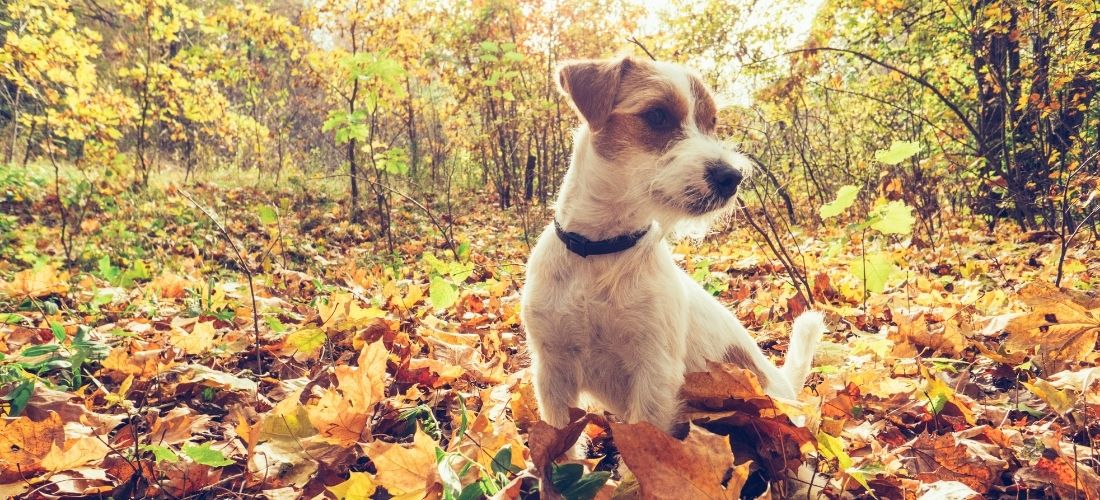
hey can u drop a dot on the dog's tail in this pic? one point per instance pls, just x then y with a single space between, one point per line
805 335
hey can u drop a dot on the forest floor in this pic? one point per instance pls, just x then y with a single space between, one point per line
151 365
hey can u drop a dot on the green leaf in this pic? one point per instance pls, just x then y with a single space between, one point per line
845 196
203 454
474 491
161 453
39 350
489 47
15 319
58 331
878 268
898 152
20 396
447 474
502 463
894 218
268 215
442 293
587 486
565 476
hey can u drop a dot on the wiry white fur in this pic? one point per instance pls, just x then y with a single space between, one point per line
624 328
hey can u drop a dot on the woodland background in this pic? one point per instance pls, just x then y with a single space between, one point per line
275 247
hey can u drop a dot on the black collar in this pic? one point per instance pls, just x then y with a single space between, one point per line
584 247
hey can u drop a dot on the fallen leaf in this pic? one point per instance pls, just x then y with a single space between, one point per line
669 468
407 472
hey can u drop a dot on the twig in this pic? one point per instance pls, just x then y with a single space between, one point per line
635 41
247 271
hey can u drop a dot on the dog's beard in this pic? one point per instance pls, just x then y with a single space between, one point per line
693 201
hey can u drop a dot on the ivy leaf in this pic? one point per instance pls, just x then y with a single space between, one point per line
875 269
899 151
442 293
205 455
894 218
845 196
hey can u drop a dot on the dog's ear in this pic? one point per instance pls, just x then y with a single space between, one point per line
592 86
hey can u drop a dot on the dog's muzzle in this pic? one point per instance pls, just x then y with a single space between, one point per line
722 179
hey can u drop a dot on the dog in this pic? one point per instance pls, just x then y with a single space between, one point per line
608 313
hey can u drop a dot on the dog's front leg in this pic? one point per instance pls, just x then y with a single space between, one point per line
556 384
654 390
719 336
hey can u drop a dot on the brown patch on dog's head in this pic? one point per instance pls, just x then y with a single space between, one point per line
647 115
592 86
634 105
706 113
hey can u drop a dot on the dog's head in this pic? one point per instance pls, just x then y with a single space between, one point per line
655 124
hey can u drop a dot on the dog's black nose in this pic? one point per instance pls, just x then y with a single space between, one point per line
722 178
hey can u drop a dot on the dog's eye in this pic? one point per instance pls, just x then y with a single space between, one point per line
657 118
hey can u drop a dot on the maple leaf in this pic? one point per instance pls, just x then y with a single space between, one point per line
666 467
955 457
1063 331
198 341
485 438
24 443
39 281
75 453
342 414
407 472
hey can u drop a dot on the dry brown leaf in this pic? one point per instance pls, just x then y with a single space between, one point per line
547 442
947 457
36 282
24 443
177 426
1063 331
669 468
75 453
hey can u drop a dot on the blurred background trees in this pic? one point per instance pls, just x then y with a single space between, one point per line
421 98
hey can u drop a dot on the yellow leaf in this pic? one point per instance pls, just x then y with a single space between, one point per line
1058 400
200 340
407 472
343 412
359 486
77 452
36 282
